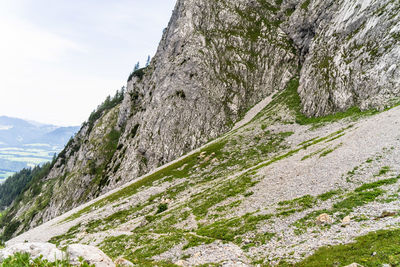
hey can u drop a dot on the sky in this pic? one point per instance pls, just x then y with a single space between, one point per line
59 59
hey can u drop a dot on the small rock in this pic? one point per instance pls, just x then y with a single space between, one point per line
386 214
231 263
323 219
81 235
247 241
90 254
183 167
143 223
354 265
181 263
123 262
346 220
214 160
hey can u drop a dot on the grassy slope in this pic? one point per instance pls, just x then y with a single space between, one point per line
374 249
214 195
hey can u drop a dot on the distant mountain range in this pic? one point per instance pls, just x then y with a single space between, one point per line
19 133
26 143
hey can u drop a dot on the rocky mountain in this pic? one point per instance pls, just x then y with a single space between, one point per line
313 82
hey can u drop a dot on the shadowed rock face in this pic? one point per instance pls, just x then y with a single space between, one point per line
352 56
217 59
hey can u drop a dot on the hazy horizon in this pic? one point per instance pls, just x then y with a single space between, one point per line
62 58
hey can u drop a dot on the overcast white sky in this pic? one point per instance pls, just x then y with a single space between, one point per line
59 59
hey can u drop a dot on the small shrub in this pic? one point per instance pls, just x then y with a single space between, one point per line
162 207
305 5
180 94
137 73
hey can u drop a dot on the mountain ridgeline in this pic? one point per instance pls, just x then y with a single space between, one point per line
215 61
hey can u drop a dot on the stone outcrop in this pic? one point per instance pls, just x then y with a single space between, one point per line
48 251
353 56
75 253
90 254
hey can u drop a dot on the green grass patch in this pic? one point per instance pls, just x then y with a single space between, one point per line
291 99
374 249
326 152
329 195
305 4
383 170
294 151
201 203
139 248
230 229
361 196
175 170
304 202
307 221
329 150
195 240
289 207
376 184
357 199
312 154
72 232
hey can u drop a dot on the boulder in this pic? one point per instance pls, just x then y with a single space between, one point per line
346 220
181 263
49 251
323 219
123 262
90 254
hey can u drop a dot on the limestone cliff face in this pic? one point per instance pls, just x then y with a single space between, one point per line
352 54
216 59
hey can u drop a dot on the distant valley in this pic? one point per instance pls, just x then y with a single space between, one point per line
26 144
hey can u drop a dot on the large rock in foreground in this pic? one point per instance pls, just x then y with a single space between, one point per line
75 253
89 254
49 251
